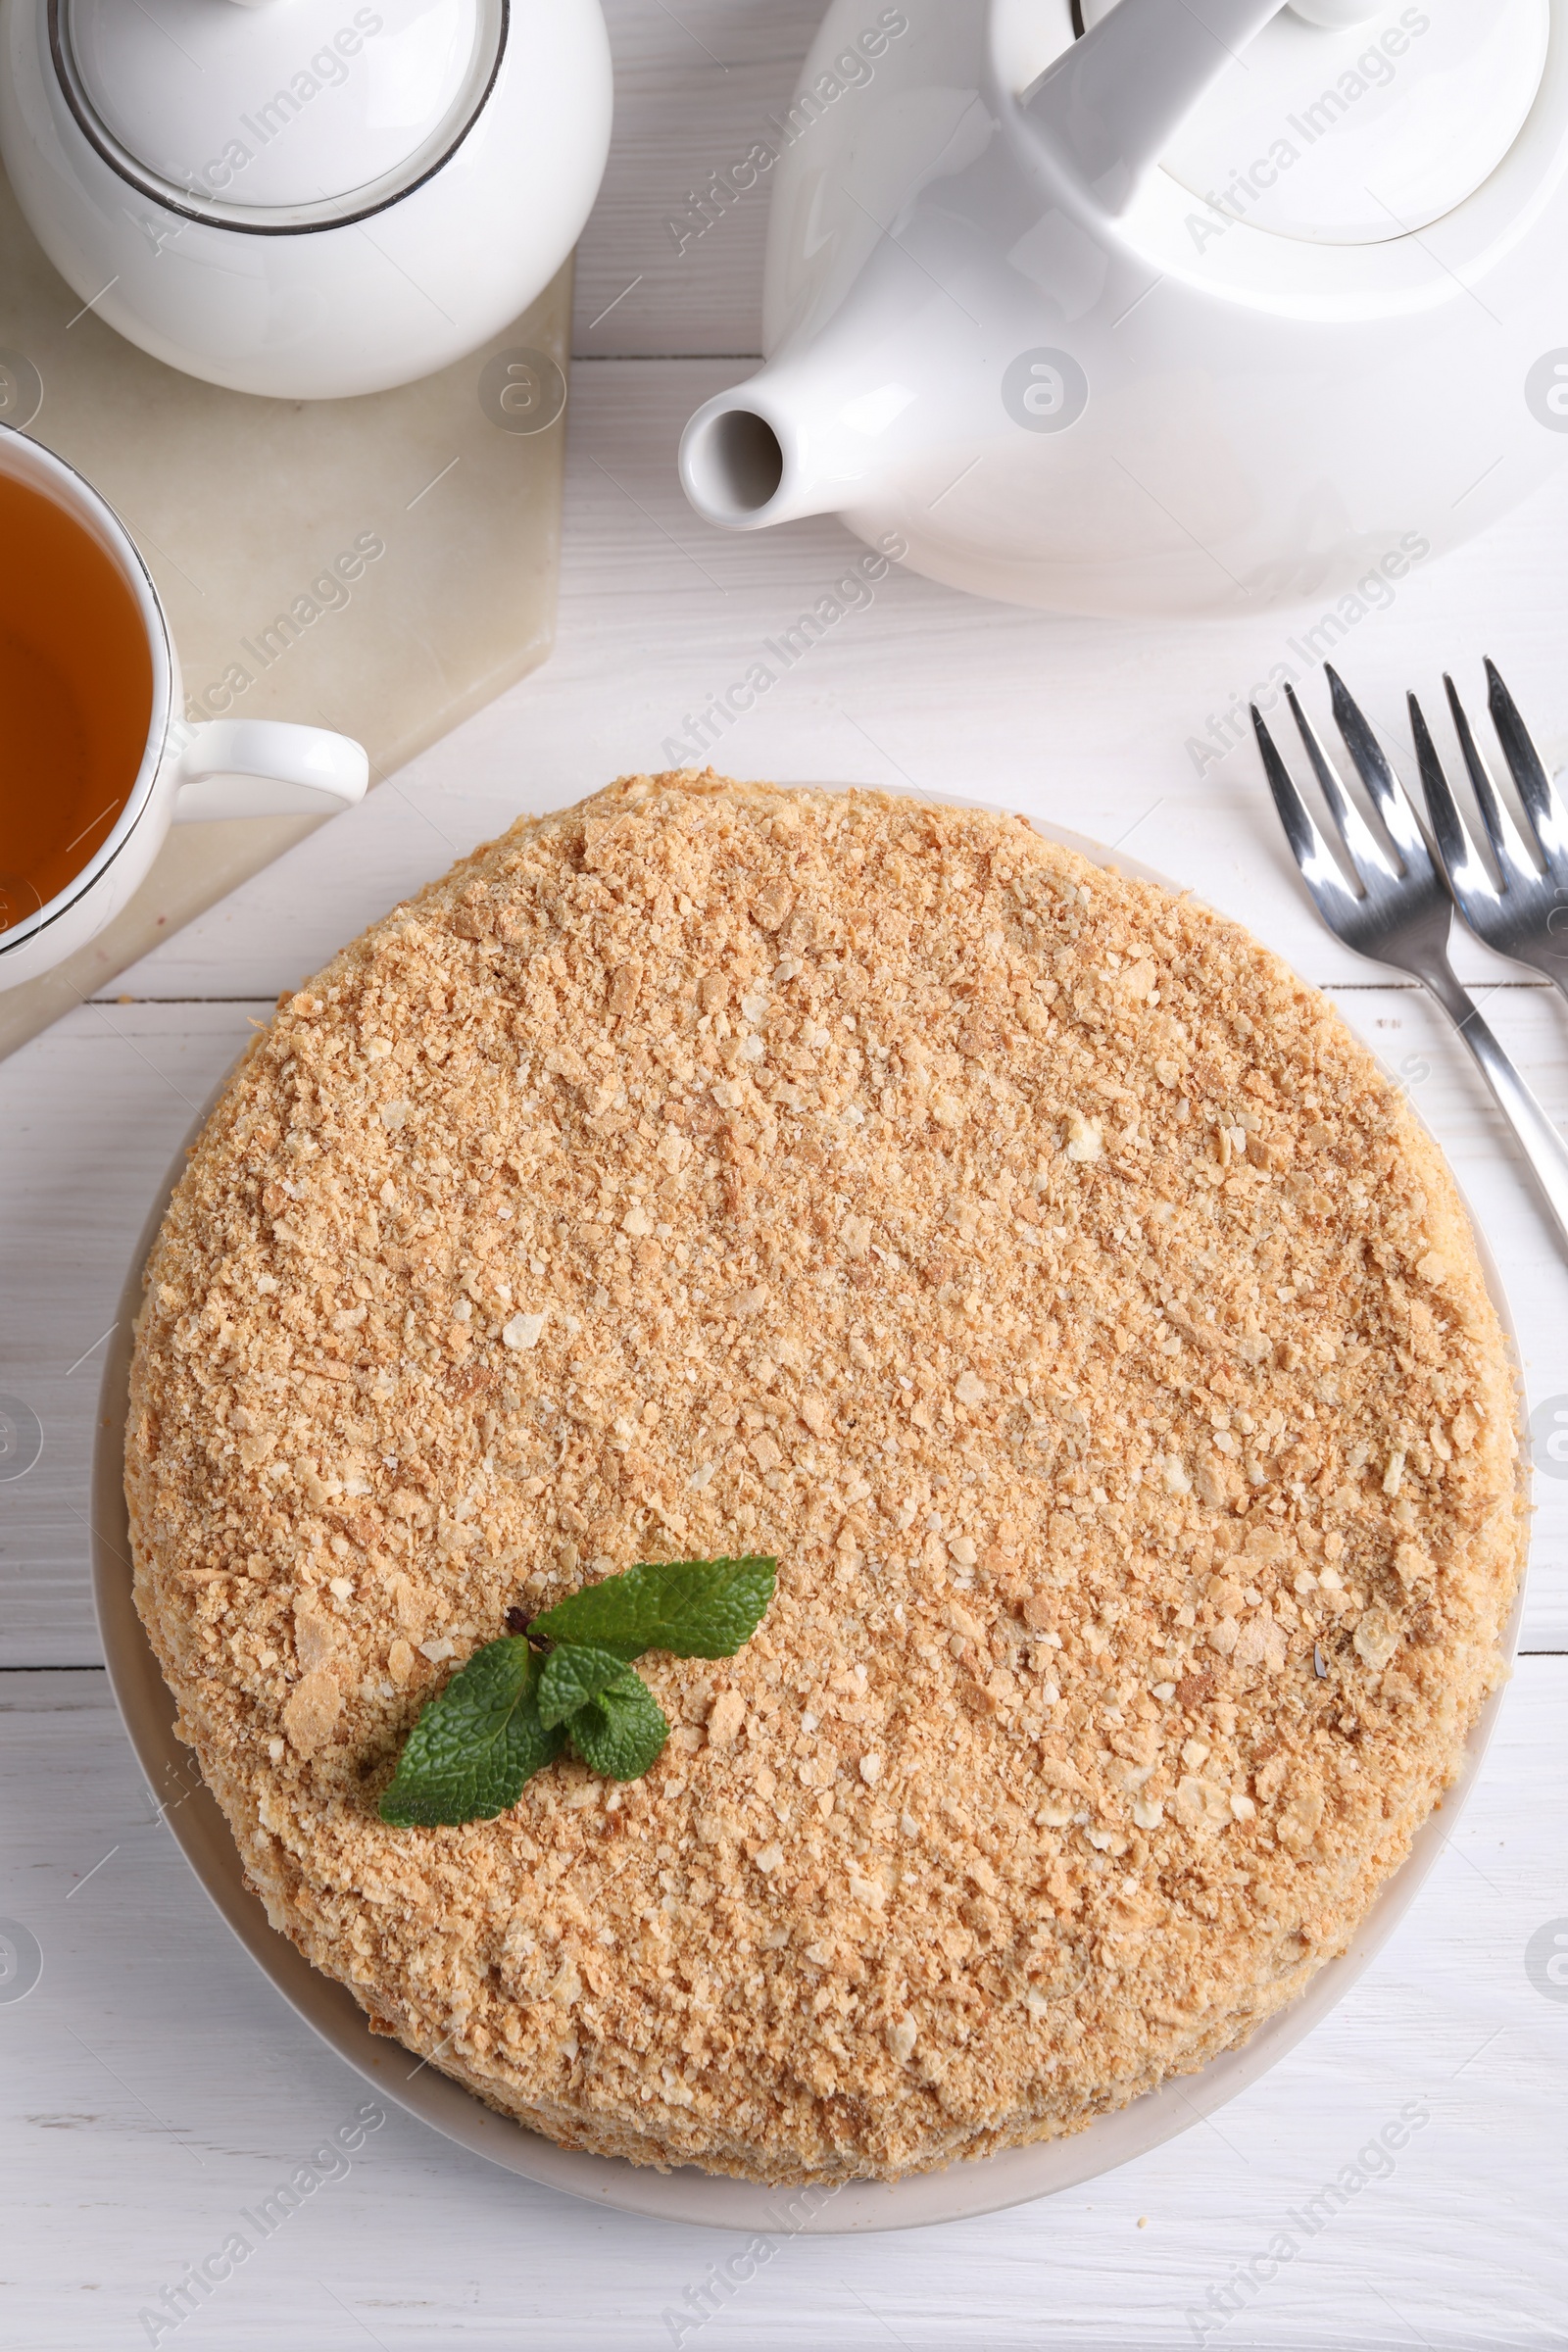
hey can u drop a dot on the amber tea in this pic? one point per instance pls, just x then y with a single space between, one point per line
75 698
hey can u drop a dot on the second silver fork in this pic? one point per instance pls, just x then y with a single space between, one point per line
1403 913
1524 912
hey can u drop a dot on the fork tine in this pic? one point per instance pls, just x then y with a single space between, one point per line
1542 804
1387 794
1463 871
1365 855
1320 871
1513 862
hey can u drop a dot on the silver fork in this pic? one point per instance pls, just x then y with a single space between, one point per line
1403 913
1527 916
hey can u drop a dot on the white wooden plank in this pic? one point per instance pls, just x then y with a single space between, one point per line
1087 722
156 2090
695 86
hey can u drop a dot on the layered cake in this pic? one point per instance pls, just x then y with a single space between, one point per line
1021 1256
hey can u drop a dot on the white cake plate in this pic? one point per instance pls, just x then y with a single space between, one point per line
985 2185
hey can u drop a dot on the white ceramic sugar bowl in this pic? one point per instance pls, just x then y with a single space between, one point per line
305 198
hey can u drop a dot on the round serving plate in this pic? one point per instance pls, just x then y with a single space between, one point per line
985 2185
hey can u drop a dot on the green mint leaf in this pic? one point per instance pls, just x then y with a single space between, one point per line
693 1608
574 1674
476 1743
623 1731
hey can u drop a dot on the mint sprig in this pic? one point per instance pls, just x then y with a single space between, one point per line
622 1731
693 1608
473 1748
511 1709
575 1674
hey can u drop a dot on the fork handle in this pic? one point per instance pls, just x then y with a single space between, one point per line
1538 1139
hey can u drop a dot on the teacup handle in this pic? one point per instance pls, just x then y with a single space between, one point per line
267 767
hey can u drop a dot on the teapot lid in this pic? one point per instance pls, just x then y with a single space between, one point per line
301 110
1344 124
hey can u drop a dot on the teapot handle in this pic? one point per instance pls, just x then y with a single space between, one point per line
1109 108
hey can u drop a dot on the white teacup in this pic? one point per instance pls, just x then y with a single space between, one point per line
223 768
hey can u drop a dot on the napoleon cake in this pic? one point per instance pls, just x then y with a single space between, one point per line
1022 1257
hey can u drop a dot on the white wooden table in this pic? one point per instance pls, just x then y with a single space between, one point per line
154 2086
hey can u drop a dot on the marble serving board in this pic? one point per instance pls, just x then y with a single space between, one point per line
242 504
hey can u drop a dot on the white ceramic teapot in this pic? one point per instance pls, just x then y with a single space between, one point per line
1205 307
306 198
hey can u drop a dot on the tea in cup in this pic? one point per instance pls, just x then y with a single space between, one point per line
96 760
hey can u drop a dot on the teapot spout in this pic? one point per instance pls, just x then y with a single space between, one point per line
765 453
732 463
834 416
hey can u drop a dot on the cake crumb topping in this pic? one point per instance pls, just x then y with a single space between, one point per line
1018 1252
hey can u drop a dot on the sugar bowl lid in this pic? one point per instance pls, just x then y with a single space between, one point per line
276 115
